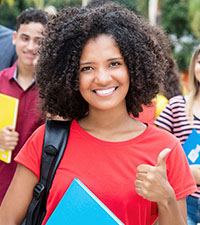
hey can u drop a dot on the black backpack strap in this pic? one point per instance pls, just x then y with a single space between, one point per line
55 141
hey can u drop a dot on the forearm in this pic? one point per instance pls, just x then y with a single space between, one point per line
195 169
172 213
7 218
6 221
18 197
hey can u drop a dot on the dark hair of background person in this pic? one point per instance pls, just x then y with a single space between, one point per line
171 81
32 15
66 34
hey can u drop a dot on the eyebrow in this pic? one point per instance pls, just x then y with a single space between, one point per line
109 60
115 58
24 35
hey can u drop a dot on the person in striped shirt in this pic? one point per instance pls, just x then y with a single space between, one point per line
180 117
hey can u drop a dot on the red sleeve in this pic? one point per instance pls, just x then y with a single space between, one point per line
30 154
179 174
177 164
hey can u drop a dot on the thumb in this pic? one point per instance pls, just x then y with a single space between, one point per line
161 161
9 128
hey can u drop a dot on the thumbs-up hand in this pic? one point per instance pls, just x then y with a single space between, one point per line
151 181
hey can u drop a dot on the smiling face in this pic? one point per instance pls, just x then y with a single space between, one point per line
103 74
26 40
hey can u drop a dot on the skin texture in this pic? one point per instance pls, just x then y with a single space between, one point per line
27 42
98 77
197 69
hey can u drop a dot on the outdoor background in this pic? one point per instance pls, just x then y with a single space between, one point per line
179 18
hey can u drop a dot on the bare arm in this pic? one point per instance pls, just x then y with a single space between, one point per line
182 206
195 169
18 197
173 213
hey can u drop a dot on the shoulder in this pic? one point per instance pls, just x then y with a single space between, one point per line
161 137
30 154
36 139
5 31
8 71
179 99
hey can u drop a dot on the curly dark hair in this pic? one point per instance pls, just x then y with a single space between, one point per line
171 83
58 67
32 15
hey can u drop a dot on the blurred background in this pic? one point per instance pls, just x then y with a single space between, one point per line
179 18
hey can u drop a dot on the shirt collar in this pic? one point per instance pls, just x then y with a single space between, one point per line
15 77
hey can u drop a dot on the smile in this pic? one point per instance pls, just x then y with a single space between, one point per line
105 92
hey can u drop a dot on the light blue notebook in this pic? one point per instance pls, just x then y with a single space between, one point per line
79 206
192 147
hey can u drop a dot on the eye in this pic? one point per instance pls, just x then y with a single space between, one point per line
115 64
38 41
86 68
25 38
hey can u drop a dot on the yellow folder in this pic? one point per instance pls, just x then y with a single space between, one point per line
8 116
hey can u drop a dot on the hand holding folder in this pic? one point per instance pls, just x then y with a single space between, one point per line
8 138
8 119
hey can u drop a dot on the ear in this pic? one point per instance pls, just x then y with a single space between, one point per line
14 37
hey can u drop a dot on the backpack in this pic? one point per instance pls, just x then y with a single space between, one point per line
55 141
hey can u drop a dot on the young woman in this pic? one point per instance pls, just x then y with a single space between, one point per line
180 117
96 67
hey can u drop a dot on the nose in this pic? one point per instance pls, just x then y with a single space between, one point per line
31 46
102 76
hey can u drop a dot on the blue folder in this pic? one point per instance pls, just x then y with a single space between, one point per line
192 147
79 206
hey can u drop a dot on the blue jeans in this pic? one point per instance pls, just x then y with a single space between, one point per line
193 210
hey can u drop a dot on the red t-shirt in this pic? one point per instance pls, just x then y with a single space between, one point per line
148 114
108 169
28 120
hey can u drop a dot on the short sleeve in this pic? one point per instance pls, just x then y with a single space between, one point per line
179 174
165 119
30 154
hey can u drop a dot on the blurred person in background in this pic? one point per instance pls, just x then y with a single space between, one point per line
7 50
19 81
180 117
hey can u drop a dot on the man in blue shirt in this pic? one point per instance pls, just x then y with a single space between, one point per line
7 49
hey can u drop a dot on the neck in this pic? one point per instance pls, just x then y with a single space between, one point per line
112 125
25 75
106 119
25 70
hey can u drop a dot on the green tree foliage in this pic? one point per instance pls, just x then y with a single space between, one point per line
180 19
194 16
175 17
130 4
9 13
9 2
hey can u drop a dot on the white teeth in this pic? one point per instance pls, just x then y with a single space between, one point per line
105 91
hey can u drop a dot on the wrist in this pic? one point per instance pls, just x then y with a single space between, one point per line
168 199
